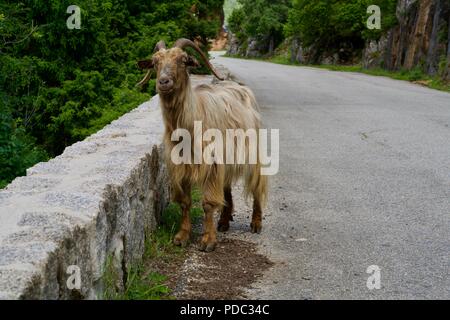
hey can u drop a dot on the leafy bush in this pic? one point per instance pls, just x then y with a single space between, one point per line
325 25
328 25
260 19
58 86
17 150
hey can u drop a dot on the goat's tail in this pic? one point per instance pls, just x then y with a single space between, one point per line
256 184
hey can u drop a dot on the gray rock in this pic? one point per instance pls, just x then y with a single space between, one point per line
54 166
255 48
234 47
33 184
297 51
403 6
373 53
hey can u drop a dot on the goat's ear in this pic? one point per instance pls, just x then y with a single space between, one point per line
192 62
145 64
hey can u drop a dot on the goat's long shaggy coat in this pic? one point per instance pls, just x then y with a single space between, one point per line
222 106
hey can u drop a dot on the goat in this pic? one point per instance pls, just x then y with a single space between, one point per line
222 106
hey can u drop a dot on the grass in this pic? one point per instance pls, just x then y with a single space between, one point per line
415 75
143 284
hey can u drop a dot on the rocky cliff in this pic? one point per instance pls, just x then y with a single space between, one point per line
420 39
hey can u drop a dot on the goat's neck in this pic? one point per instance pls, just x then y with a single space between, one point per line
178 108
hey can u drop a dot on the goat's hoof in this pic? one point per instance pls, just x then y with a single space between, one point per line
181 239
207 247
256 227
223 227
181 243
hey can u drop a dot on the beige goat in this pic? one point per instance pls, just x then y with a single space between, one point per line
223 106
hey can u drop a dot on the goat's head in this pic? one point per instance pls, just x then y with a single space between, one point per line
172 65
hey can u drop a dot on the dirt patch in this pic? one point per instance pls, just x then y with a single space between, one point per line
220 275
425 83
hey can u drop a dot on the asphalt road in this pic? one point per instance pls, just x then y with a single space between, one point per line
364 180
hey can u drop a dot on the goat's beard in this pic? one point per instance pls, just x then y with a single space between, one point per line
168 97
167 93
177 90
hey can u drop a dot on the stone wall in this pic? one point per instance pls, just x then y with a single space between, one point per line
93 204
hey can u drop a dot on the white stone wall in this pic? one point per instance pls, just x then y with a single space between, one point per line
95 201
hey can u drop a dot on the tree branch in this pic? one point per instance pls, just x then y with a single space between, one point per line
33 30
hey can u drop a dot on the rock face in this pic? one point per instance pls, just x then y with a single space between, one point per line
255 48
373 53
419 39
249 48
86 209
297 51
234 45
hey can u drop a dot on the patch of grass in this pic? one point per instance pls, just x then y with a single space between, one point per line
159 243
415 75
143 284
146 286
282 60
140 285
110 280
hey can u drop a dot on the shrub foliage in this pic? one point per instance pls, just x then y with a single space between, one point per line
58 86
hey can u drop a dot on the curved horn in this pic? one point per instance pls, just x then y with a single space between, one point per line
146 79
183 43
160 45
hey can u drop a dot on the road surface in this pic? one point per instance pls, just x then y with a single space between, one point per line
364 181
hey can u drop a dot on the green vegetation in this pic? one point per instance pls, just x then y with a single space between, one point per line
142 284
323 25
17 150
228 7
330 24
261 19
58 86
323 32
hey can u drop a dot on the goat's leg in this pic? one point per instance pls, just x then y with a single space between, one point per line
257 183
256 224
209 239
227 211
213 199
183 198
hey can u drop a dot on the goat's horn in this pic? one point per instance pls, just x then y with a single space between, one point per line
160 45
183 43
146 79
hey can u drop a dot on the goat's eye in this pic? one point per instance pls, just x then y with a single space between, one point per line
183 60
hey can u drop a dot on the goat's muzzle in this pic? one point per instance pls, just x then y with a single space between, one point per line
165 85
